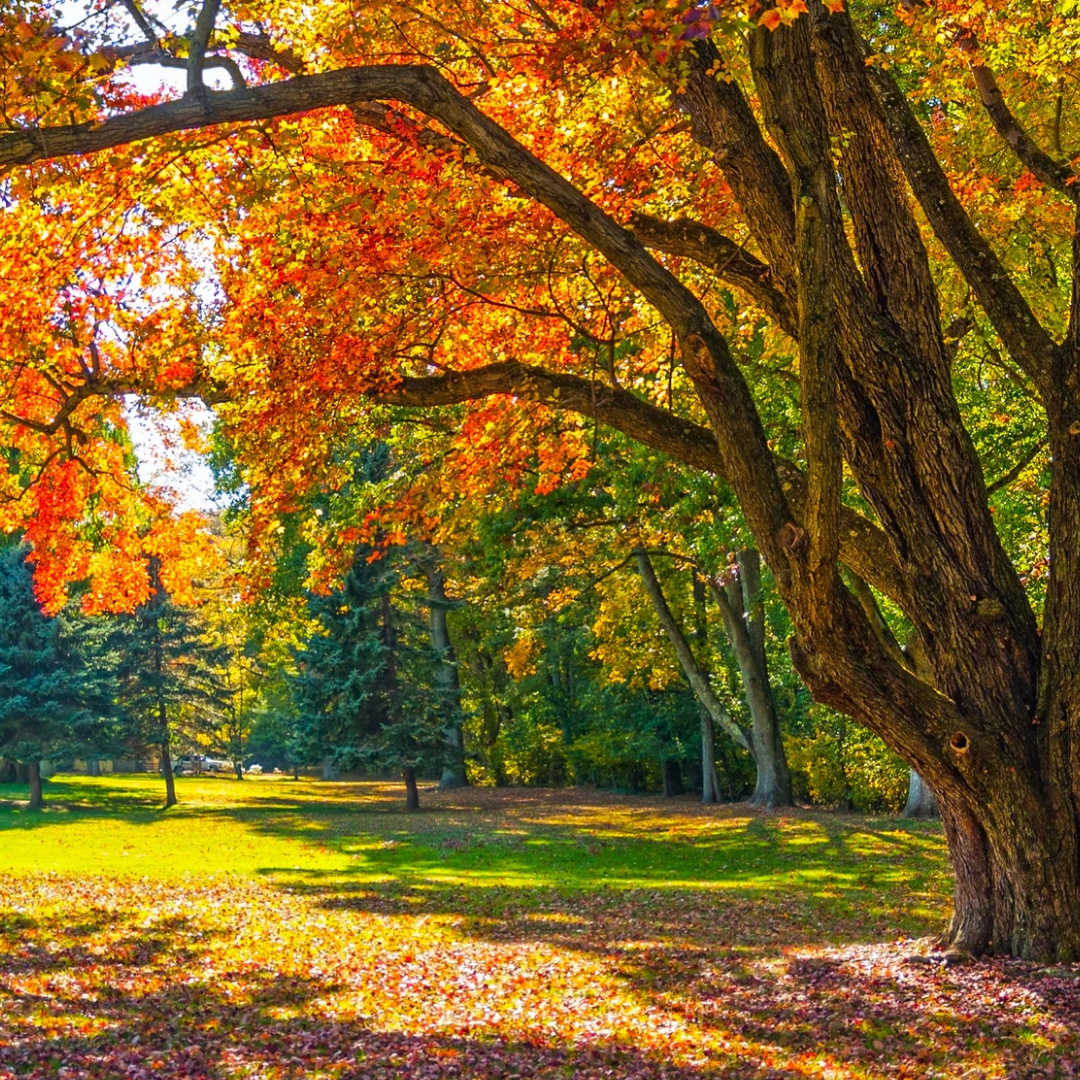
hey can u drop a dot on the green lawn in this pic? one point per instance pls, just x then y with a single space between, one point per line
496 933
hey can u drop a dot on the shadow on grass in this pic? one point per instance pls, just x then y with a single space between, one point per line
115 998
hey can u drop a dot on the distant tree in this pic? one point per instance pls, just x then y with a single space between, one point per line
364 689
165 667
52 702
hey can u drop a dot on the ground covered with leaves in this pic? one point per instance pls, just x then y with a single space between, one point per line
276 929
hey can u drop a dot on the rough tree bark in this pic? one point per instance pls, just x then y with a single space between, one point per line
992 721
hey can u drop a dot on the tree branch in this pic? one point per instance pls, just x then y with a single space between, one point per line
1024 336
200 38
730 262
1042 166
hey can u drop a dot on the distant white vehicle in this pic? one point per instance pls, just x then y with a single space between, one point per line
255 770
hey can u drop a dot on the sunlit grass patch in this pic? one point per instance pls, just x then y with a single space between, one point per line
275 929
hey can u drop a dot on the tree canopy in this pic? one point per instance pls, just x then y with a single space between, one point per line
825 254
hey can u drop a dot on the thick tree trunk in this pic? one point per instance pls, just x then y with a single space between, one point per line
412 792
93 767
447 680
920 800
167 773
37 798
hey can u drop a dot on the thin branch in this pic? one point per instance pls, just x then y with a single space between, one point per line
1005 480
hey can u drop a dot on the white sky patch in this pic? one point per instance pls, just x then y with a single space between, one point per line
164 461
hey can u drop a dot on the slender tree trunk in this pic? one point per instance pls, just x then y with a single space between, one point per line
412 792
447 679
694 672
37 798
710 785
744 619
167 772
920 800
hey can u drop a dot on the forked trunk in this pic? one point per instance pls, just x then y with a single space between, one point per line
37 798
412 792
744 619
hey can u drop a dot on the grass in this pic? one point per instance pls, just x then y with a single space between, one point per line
274 928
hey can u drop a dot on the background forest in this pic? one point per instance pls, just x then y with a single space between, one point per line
602 631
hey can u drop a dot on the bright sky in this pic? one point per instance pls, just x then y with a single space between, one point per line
162 460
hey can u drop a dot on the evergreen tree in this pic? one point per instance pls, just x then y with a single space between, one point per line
52 702
166 674
364 690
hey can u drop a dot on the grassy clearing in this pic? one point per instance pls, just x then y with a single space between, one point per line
279 929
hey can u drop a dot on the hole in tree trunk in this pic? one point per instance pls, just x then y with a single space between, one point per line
959 742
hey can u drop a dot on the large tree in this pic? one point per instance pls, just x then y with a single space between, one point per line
531 200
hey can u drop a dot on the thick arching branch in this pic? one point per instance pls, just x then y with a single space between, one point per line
863 546
730 262
706 355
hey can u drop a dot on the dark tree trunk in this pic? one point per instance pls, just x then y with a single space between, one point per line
412 792
447 680
167 773
37 797
93 767
671 769
920 800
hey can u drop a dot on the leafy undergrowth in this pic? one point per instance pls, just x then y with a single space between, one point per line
314 930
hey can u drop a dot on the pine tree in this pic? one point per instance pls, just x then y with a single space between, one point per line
364 690
165 668
52 702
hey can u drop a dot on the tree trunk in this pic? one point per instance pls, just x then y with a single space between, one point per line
696 675
710 786
238 768
447 680
671 769
93 767
412 792
37 798
167 772
920 800
744 619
